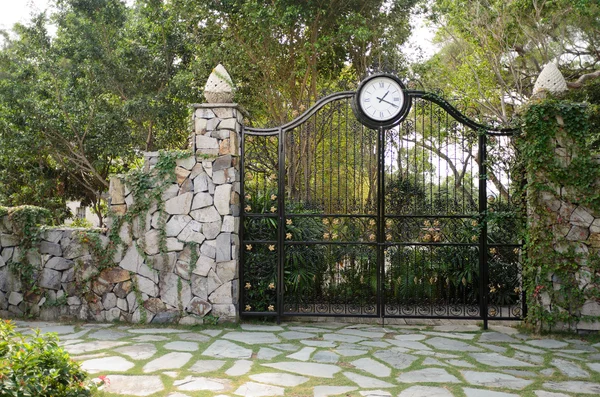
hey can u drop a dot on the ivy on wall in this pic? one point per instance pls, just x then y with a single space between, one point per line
26 222
559 274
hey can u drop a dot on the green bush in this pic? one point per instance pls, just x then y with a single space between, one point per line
36 366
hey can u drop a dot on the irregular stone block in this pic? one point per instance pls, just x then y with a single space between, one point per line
50 279
116 191
209 248
198 307
204 265
230 224
201 183
581 217
154 305
223 246
227 271
206 215
200 126
211 230
187 163
115 275
202 200
147 286
58 263
578 233
174 244
187 235
8 240
109 301
212 282
222 199
170 292
205 142
229 124
222 163
14 298
53 249
123 289
167 317
179 205
170 192
222 294
199 286
176 224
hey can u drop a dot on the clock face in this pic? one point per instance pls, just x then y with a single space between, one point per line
380 101
381 98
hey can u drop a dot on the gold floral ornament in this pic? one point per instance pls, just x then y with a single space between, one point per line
273 197
372 237
271 308
325 221
248 197
273 209
436 223
326 236
517 290
493 251
464 281
388 237
288 221
248 208
271 285
248 286
249 247
474 238
248 308
474 223
334 236
249 176
336 221
492 288
271 247
372 222
516 251
288 236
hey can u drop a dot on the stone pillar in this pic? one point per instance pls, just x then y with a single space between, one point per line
217 127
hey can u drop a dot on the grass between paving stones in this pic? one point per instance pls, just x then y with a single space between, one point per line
339 379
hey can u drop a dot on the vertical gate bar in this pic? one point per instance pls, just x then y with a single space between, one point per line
242 254
381 223
280 224
483 265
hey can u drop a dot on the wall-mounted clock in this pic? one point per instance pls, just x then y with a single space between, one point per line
380 101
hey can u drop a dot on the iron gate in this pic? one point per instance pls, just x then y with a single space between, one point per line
419 220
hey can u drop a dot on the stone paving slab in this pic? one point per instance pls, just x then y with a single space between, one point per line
134 385
302 359
425 391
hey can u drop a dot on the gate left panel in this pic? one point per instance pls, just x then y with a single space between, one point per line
260 229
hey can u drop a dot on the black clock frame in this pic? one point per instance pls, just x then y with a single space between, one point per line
365 119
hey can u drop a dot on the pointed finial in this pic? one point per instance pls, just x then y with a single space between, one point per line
219 87
551 80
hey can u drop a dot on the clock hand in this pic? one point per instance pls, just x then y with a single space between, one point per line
389 103
381 99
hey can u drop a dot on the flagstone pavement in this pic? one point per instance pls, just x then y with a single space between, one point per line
330 359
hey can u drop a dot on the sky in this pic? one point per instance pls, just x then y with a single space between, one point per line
13 11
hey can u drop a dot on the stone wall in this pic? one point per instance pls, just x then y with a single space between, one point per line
177 264
574 228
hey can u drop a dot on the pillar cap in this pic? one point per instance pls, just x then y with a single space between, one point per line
550 80
219 87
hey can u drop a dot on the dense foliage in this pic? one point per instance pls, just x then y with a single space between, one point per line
35 365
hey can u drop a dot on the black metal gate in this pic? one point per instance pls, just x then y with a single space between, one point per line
419 220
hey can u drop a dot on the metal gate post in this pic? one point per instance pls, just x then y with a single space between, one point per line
483 263
381 223
280 224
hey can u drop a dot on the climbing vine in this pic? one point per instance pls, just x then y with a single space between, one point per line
26 222
559 274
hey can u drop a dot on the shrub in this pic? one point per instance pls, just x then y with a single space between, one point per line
36 366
